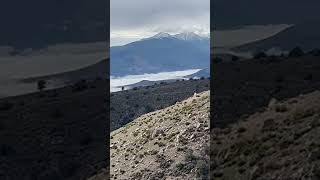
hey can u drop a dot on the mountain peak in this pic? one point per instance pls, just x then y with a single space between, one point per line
188 36
161 35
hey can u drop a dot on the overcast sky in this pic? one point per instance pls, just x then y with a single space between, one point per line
132 20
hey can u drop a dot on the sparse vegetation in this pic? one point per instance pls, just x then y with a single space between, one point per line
278 141
6 105
296 52
155 141
80 86
57 113
259 55
234 58
41 85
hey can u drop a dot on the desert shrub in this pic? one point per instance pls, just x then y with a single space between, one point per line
180 166
217 174
279 79
6 150
5 106
190 157
234 58
80 86
259 55
315 121
315 52
274 59
241 130
54 93
69 168
301 114
296 52
41 84
281 108
56 114
202 169
135 133
98 78
22 103
49 174
85 139
308 77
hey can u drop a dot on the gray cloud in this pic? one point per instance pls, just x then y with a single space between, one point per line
133 19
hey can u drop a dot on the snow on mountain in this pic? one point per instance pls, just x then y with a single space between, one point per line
187 36
161 35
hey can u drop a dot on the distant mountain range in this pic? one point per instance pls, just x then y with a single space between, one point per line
305 35
161 53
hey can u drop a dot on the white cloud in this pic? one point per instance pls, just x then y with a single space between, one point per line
133 20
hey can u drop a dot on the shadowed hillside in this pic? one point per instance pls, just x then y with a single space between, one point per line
55 134
244 87
280 142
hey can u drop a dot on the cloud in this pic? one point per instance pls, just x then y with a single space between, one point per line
143 18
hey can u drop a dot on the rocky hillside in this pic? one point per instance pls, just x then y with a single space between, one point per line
128 105
280 142
172 143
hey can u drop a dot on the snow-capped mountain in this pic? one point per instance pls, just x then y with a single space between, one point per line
161 53
186 36
189 36
160 36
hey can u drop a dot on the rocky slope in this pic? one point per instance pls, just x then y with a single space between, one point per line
280 142
125 106
171 143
